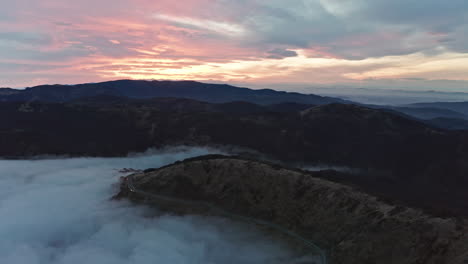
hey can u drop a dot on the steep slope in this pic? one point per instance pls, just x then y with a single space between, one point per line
351 226
449 123
396 155
333 131
215 93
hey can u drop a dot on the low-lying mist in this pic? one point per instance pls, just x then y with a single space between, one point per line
59 211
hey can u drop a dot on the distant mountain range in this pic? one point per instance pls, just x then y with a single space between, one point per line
443 115
213 93
437 117
448 115
460 107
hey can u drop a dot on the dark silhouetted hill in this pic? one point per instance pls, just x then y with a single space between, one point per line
400 156
214 93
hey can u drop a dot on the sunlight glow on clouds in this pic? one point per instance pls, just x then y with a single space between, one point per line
309 41
298 68
218 27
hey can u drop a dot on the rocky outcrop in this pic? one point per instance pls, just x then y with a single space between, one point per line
353 227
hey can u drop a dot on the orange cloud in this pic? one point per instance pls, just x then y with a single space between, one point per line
211 39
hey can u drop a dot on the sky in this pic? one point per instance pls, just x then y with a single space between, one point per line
404 44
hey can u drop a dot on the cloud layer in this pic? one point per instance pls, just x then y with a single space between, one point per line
307 41
58 211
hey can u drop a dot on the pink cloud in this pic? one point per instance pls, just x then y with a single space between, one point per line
80 41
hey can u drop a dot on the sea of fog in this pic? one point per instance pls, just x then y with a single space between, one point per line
59 211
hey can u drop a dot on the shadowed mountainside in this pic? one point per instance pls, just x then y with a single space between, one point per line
449 123
217 93
396 155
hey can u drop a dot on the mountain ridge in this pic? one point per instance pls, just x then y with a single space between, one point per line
214 93
220 93
351 226
398 154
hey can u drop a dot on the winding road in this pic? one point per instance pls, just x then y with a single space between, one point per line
309 244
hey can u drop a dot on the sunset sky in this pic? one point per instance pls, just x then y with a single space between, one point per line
386 43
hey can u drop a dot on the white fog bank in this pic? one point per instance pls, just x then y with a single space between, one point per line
59 211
